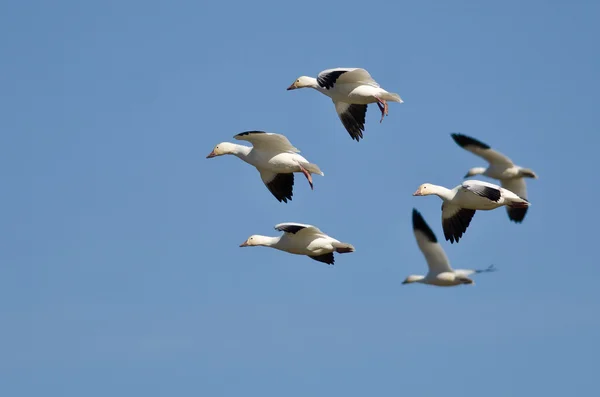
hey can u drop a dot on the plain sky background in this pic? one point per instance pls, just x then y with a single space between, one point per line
120 271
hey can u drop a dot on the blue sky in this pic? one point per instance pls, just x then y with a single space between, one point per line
120 271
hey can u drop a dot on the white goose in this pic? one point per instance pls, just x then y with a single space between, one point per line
274 157
351 90
440 272
461 203
511 176
302 239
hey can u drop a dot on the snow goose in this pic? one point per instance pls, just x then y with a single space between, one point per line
351 90
301 239
459 204
511 176
440 272
275 159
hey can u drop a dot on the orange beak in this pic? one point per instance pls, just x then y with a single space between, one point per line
244 244
292 87
211 155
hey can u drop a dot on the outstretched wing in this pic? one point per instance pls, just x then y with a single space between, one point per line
483 189
468 272
325 258
352 117
482 150
455 221
280 185
518 187
329 78
267 141
297 228
436 258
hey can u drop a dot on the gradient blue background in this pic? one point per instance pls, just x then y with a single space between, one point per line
120 272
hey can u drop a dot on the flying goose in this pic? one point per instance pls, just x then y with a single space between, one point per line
351 90
301 239
459 204
440 272
511 176
275 159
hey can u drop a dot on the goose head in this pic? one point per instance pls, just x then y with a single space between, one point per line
412 279
425 190
221 149
253 240
302 82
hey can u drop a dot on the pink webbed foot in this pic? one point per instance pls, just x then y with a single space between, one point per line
383 106
308 176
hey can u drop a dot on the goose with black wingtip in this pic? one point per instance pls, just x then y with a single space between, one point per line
502 168
275 159
351 90
302 239
440 272
461 203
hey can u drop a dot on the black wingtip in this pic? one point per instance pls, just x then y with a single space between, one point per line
293 229
455 227
325 258
419 224
490 193
328 80
464 140
248 133
353 120
516 215
282 187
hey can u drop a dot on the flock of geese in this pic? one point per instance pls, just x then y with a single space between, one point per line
351 90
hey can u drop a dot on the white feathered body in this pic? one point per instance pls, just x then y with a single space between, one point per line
502 172
359 94
445 279
449 279
465 198
306 244
280 162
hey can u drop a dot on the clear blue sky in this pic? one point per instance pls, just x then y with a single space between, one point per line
120 272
